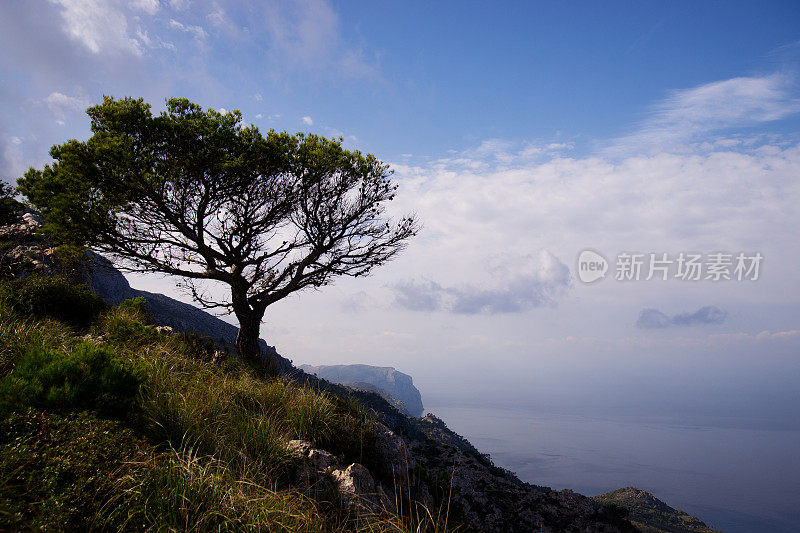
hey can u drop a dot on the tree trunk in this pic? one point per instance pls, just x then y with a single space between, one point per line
248 344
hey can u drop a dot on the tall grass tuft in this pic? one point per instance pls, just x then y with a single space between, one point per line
183 491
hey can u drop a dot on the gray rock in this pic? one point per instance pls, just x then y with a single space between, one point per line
357 488
319 470
310 475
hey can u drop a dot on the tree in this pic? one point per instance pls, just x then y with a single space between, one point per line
9 207
197 194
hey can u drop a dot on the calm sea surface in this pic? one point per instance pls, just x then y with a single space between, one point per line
734 478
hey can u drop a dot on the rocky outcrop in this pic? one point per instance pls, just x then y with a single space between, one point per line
361 491
435 428
398 385
23 252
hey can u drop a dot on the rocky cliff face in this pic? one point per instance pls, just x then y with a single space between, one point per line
397 384
369 387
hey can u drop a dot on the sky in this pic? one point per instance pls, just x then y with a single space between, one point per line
521 134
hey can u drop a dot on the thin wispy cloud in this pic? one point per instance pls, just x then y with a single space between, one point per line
60 104
686 114
151 7
306 36
197 31
101 27
655 319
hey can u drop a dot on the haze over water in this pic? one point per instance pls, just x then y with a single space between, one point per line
737 474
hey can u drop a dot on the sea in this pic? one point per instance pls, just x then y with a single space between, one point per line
732 474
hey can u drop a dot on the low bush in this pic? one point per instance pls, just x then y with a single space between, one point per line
18 335
53 297
88 376
128 324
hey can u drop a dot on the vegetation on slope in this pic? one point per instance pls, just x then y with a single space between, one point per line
108 424
650 514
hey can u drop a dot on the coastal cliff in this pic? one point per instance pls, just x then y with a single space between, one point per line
396 384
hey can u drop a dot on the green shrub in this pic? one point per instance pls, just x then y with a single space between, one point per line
127 324
54 297
85 377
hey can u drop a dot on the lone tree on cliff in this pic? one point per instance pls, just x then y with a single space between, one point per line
196 194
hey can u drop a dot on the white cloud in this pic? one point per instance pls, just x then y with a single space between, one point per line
687 113
100 26
60 104
218 17
259 116
197 31
144 37
735 199
12 161
655 319
146 40
150 7
308 121
179 5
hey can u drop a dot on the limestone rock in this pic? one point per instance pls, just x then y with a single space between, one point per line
357 488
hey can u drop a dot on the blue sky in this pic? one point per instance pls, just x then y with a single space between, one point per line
521 134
